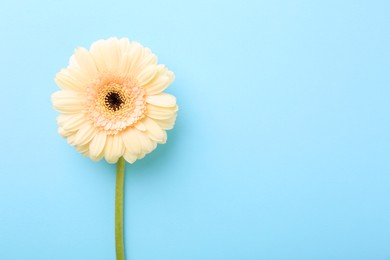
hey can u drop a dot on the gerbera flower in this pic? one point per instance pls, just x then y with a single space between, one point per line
111 102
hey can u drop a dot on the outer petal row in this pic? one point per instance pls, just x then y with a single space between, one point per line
132 143
161 80
68 101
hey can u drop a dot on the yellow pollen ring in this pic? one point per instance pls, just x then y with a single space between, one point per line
107 91
114 106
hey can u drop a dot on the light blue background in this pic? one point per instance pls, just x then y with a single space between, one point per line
280 151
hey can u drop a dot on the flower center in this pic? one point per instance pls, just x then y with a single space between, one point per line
113 101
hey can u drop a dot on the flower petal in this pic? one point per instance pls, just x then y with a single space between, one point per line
147 145
68 101
106 54
114 148
161 80
162 100
83 149
71 122
86 62
84 135
161 113
154 130
147 59
131 59
73 62
131 141
124 45
65 133
166 124
146 75
137 142
79 75
96 146
67 81
129 156
140 126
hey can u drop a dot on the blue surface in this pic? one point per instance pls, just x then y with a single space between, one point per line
281 148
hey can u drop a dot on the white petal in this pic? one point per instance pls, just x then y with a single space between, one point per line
162 100
137 142
146 75
161 113
113 53
130 156
124 45
141 156
132 59
147 145
114 148
106 54
86 62
155 131
166 124
161 81
83 149
68 81
68 101
84 135
131 141
140 126
73 62
65 133
71 122
96 146
79 76
124 64
147 59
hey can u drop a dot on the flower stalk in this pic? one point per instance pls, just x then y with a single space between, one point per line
119 192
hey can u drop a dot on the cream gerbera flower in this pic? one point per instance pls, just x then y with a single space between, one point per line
111 102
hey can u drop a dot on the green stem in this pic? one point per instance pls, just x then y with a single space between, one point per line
120 180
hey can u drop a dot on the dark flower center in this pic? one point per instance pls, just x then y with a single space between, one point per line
113 101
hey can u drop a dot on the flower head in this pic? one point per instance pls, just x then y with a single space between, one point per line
111 102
